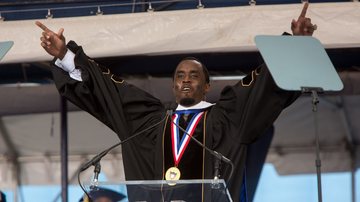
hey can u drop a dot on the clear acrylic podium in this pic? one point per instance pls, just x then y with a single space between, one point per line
167 191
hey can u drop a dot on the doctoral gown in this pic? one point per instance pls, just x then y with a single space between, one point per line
243 112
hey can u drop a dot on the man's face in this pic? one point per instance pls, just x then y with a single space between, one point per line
189 83
103 199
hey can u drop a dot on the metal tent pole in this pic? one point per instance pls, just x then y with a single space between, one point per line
64 149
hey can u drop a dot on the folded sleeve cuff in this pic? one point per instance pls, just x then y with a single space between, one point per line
68 65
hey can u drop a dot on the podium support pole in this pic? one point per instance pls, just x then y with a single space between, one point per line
315 101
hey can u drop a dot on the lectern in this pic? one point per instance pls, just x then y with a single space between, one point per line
170 191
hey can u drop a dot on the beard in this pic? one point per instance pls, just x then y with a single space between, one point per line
187 102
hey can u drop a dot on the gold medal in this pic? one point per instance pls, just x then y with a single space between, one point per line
172 173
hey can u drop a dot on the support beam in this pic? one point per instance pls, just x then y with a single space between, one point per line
64 150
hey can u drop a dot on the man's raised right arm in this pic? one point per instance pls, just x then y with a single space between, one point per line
107 97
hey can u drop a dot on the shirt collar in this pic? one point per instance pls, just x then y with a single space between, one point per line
200 105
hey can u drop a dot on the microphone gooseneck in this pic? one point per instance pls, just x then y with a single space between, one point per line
95 161
218 155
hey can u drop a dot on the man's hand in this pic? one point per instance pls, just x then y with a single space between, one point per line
53 43
302 26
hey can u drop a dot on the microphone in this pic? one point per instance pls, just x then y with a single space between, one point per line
95 161
97 170
218 155
217 166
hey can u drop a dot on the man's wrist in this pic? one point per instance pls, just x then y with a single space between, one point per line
67 63
62 54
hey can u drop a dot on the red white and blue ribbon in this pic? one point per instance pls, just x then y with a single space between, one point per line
179 146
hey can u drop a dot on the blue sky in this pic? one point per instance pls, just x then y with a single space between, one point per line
336 187
272 187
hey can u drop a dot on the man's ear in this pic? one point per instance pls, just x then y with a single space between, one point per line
173 88
207 88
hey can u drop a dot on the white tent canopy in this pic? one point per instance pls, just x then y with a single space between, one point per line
198 30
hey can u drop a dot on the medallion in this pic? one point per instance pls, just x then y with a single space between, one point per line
172 173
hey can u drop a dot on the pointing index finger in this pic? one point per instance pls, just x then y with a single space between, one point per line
42 26
303 12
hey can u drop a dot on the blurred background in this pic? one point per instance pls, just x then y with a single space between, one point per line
143 41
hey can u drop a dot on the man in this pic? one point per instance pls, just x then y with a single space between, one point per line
102 195
2 197
243 112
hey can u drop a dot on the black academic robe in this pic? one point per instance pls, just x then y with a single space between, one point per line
243 112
